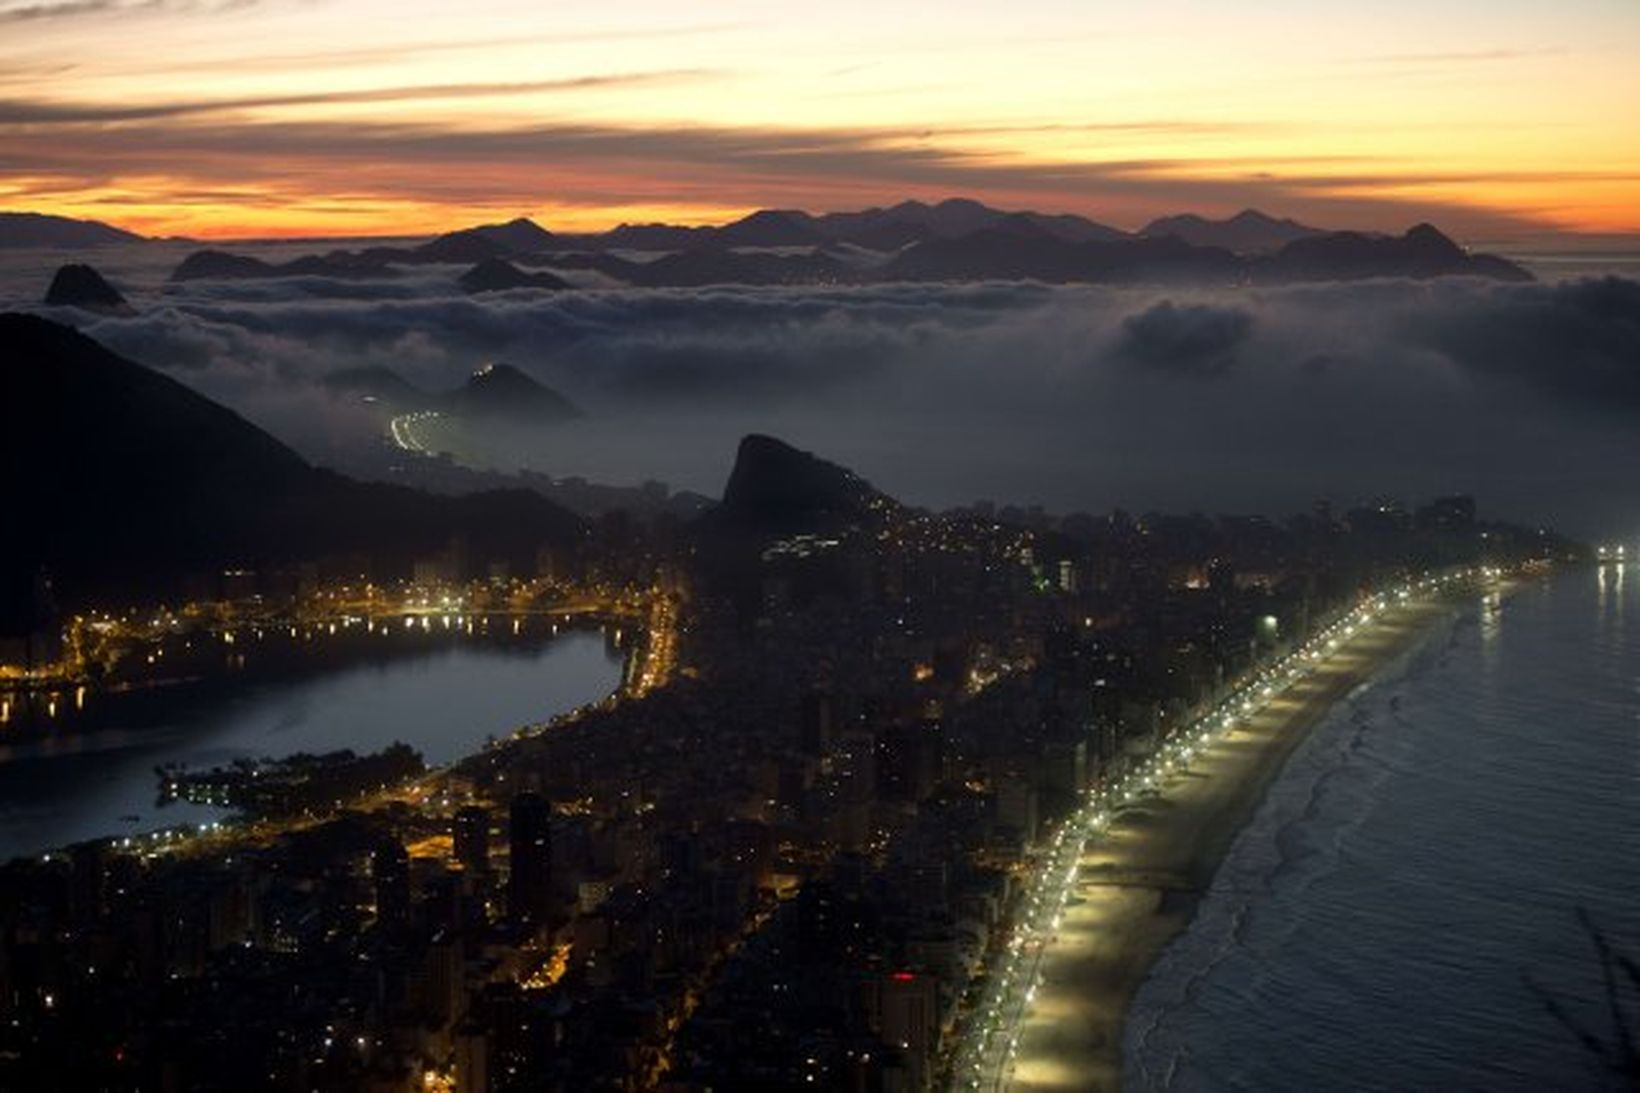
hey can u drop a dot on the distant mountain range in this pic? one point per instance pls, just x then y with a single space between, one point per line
1422 252
496 392
217 265
131 481
877 229
953 240
40 230
1248 232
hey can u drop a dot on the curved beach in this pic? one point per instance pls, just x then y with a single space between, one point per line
1140 884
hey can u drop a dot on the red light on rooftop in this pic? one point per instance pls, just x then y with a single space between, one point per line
902 977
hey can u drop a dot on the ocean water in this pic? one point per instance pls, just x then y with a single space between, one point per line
1410 889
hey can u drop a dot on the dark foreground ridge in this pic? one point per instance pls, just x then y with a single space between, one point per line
124 479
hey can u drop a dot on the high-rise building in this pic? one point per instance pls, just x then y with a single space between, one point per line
1016 807
86 893
910 759
529 836
472 1057
471 831
907 1018
442 986
816 728
390 870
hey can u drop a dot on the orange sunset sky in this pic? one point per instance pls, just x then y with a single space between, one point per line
223 118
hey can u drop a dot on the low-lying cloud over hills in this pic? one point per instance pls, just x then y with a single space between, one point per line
1077 397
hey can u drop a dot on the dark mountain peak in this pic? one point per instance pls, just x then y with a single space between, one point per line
467 245
776 216
954 217
498 274
960 215
1424 251
520 235
78 285
1161 224
501 391
43 230
220 265
338 264
1427 237
771 228
651 237
1248 232
775 487
501 379
1070 227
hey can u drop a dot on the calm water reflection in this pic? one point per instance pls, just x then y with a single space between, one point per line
444 702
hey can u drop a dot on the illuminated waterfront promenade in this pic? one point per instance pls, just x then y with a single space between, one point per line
1126 871
158 645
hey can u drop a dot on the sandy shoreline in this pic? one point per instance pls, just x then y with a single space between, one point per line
1139 885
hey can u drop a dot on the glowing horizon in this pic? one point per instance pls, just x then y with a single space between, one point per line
270 118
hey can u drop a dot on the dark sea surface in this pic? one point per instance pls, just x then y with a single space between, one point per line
1419 866
444 701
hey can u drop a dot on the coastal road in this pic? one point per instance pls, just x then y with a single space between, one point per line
1138 884
402 429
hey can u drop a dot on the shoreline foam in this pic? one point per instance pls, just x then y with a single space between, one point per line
1141 884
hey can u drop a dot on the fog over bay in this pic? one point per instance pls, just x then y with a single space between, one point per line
1075 398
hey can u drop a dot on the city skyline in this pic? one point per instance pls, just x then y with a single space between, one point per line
876 547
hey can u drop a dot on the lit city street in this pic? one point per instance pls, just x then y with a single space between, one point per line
403 430
1122 875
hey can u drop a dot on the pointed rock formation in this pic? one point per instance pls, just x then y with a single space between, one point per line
79 285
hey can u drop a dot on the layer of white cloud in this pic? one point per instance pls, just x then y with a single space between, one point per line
1078 397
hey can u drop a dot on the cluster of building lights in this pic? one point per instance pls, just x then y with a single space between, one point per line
995 1035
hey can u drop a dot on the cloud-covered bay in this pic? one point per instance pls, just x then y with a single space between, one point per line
1076 397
